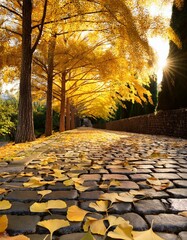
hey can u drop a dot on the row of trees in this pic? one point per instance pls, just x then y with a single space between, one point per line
82 56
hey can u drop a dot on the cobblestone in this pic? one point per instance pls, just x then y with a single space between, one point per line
123 157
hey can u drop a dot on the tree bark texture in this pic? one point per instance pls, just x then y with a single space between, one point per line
49 109
25 128
62 105
68 117
72 122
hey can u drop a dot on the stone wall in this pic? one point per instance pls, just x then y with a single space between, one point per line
170 123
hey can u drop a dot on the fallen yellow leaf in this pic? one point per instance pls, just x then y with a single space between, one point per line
44 192
3 223
53 224
5 204
126 197
44 207
81 188
2 190
76 214
100 206
109 196
122 231
114 221
96 226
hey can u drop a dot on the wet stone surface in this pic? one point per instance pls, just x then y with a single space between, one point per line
107 162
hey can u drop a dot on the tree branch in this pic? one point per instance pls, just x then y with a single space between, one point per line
40 27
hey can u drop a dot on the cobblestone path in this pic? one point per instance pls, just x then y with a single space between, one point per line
99 157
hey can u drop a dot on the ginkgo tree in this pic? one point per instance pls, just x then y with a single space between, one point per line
129 23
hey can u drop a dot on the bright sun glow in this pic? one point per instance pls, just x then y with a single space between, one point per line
161 47
159 44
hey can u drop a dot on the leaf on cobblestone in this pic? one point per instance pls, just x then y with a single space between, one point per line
154 181
137 192
44 207
126 197
68 182
39 207
96 226
114 182
5 204
112 197
2 190
158 184
44 192
56 204
59 174
88 236
76 214
53 224
148 234
100 206
35 182
80 187
78 180
29 174
156 154
3 223
72 175
184 213
114 221
122 231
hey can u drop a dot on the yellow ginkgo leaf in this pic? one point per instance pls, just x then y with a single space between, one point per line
184 213
5 204
56 204
73 175
39 207
3 223
114 183
109 196
44 192
78 180
96 226
114 221
148 234
36 182
122 231
76 214
69 182
44 207
53 224
99 206
137 192
126 197
2 190
81 188
154 181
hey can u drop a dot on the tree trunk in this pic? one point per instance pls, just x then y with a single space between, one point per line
72 122
49 109
67 114
25 128
63 100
